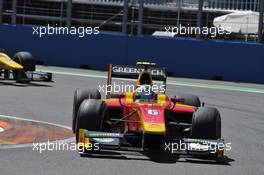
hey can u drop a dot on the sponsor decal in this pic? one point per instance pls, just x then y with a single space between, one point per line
201 141
197 146
5 58
103 134
153 112
155 126
104 140
136 70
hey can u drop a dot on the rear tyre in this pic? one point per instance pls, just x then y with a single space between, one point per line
189 99
29 64
206 124
90 116
79 96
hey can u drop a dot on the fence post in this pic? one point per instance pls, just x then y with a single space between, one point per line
1 10
179 12
260 27
69 13
140 16
200 17
14 5
124 22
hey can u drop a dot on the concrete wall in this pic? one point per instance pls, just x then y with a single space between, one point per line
233 61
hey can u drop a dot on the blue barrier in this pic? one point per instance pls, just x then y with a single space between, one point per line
233 61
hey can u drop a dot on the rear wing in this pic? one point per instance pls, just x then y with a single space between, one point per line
132 72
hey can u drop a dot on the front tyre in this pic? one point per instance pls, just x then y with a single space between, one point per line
90 116
206 124
191 100
79 96
29 64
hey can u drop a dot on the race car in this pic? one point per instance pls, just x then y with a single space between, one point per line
21 68
144 120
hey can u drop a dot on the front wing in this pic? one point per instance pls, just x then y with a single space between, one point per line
113 141
39 76
27 76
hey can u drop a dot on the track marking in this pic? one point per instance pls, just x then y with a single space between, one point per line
3 126
170 81
68 140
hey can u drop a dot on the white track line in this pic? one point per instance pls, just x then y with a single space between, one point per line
1 129
68 140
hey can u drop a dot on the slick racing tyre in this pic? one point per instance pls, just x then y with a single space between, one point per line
90 116
26 60
79 96
206 124
189 99
29 64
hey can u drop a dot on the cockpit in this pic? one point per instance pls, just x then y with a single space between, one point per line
144 93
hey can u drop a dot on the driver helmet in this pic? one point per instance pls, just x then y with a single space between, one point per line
143 92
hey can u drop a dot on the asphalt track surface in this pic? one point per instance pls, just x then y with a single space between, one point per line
242 121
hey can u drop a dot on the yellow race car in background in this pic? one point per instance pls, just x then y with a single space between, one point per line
21 68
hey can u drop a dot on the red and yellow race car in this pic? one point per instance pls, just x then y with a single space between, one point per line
144 118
